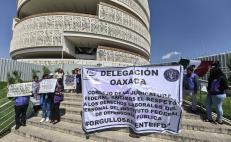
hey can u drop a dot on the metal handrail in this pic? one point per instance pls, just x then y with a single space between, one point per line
5 104
5 121
6 114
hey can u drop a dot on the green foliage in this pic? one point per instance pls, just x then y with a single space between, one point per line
14 77
3 85
46 70
34 73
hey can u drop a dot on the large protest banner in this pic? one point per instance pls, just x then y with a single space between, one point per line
146 99
69 82
21 89
47 86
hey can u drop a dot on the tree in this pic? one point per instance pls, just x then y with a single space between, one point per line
14 77
46 70
34 73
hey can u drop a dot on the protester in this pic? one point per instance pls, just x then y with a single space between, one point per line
216 93
59 73
58 97
35 93
21 105
46 99
78 81
190 84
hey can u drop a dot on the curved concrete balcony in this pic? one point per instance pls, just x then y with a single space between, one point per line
71 62
27 8
51 30
115 15
145 5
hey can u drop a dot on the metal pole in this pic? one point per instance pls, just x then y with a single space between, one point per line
62 58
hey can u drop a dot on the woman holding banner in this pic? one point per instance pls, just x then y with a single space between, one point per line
46 99
21 105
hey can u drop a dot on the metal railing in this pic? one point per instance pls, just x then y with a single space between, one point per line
7 117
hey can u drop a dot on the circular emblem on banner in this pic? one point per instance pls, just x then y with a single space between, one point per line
172 75
91 73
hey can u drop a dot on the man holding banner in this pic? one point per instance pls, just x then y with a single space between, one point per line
21 92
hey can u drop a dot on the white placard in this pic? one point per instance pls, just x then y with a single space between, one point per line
69 82
21 89
146 99
47 86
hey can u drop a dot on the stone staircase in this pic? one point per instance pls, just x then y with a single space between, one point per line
70 129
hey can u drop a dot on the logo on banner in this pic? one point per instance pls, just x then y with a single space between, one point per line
172 75
91 73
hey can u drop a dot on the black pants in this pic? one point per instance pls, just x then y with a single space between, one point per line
56 112
20 114
78 88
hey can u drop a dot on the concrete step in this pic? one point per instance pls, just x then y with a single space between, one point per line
71 118
122 134
76 130
76 118
40 134
71 104
188 124
70 110
72 99
73 95
14 138
75 108
197 125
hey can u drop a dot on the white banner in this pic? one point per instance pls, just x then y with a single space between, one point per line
146 99
47 86
69 82
22 89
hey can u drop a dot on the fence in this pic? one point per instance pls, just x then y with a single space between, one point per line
7 66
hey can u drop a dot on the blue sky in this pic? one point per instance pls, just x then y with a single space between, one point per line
179 28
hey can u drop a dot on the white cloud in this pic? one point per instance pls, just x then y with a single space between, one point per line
170 55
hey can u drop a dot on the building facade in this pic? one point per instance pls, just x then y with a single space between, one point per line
223 58
106 32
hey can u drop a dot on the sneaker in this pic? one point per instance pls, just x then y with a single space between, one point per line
219 121
42 120
47 119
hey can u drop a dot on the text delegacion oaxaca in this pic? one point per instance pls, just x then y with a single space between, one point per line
135 80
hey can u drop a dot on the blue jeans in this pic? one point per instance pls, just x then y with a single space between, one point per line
46 108
217 100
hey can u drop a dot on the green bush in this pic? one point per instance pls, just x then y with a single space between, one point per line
3 90
3 85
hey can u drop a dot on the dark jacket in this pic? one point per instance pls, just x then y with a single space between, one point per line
59 95
217 82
